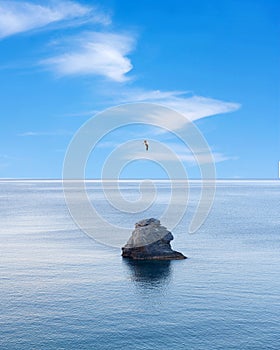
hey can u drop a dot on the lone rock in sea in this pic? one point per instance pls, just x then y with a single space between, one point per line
150 241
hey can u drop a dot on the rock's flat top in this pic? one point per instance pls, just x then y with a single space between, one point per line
150 240
147 222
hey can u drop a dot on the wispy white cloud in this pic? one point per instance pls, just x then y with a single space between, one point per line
89 53
47 133
95 53
20 16
181 112
191 106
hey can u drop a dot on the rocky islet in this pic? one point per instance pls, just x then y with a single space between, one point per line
150 241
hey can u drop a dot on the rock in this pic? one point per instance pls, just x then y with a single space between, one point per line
150 240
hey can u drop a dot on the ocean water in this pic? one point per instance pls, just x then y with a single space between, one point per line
60 289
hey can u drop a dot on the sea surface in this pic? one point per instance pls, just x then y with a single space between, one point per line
61 289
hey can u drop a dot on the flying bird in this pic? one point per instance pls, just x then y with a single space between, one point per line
146 144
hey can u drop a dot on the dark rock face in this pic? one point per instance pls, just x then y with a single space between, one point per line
150 240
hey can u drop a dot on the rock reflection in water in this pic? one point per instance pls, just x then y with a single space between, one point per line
149 273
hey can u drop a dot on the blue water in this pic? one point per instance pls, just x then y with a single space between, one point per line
62 290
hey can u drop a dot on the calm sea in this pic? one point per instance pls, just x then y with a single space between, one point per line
60 289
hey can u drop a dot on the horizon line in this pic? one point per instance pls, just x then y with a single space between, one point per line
137 179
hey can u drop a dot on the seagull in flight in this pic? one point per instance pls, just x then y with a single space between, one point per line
146 144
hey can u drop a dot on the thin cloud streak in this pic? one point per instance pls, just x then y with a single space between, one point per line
46 133
186 157
17 17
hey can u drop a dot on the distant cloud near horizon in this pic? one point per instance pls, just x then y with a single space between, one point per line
17 16
182 152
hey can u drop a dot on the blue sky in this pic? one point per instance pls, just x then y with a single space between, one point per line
217 62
